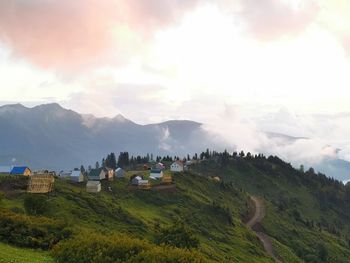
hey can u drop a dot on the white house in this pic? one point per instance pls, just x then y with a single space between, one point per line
120 173
77 176
177 167
93 186
156 173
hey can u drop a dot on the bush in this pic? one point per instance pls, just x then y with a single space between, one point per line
178 235
29 231
35 204
95 248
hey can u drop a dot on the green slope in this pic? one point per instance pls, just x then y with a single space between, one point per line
212 210
308 214
10 254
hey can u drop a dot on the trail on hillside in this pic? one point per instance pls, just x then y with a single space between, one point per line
259 214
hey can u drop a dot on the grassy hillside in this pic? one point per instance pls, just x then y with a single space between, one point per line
211 210
307 213
10 254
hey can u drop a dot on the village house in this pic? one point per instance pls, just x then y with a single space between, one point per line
21 170
77 176
93 186
177 167
5 170
120 173
109 173
97 174
160 166
140 182
156 173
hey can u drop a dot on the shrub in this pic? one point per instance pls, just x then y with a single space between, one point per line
178 235
29 231
96 248
35 204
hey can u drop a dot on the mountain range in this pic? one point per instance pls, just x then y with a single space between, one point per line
53 137
50 136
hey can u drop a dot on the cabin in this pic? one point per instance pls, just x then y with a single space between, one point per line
21 170
160 166
177 167
40 183
5 170
97 174
93 186
167 179
77 176
156 173
140 182
109 173
120 173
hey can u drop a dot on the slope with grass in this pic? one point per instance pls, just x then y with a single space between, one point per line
307 214
11 254
211 210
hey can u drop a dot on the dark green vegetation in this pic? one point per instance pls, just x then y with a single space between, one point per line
308 214
201 215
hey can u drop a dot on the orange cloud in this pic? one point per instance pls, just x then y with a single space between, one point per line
61 34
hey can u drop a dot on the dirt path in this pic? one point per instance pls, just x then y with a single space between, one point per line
259 214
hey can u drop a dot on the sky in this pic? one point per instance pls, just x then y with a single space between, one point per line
276 65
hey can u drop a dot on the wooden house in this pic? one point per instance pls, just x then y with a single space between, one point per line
93 186
40 183
21 170
167 179
97 174
109 173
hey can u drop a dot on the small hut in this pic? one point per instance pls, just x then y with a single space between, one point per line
109 173
156 173
77 176
93 186
120 173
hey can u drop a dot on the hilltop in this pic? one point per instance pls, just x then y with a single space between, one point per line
306 214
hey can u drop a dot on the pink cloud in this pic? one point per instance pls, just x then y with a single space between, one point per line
272 19
60 34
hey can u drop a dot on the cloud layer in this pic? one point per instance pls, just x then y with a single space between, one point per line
60 34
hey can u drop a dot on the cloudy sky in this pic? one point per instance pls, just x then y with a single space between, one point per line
275 65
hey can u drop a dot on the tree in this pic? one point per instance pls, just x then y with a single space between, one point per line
97 165
35 204
113 161
82 169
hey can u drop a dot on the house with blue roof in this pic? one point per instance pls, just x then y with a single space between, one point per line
21 170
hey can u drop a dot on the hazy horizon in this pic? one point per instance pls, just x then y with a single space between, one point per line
240 67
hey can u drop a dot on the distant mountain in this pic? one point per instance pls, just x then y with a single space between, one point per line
53 137
49 136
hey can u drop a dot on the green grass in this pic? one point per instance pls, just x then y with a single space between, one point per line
10 254
138 213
